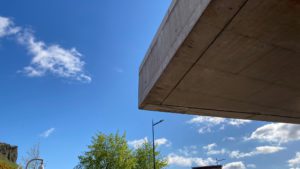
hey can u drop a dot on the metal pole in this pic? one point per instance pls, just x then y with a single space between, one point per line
153 141
154 165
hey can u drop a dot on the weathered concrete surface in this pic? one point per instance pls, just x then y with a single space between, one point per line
8 151
233 58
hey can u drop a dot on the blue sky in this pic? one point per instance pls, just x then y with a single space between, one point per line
70 69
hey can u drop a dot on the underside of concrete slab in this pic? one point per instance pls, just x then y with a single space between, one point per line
233 58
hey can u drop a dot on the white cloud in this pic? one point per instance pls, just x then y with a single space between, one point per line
174 159
251 165
212 151
276 133
238 122
163 141
210 122
268 149
7 27
158 142
235 165
210 146
206 119
188 150
229 139
205 129
222 127
217 121
295 162
47 133
54 59
257 151
215 152
183 161
138 143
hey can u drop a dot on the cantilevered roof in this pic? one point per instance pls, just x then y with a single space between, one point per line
233 58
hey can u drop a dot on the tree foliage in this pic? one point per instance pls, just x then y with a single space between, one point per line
112 152
144 157
6 164
108 152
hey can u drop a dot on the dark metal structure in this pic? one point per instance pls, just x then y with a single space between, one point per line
153 141
209 167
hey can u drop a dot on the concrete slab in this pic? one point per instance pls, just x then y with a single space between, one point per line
219 58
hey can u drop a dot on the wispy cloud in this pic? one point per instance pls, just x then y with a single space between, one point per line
53 59
238 122
207 123
294 163
158 142
119 70
204 129
206 119
162 141
229 139
257 151
46 59
217 121
188 150
47 133
210 148
251 165
276 133
138 143
7 27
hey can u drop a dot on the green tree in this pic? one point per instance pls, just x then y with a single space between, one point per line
112 152
144 157
108 152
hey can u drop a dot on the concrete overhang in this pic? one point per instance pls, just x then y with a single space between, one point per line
225 58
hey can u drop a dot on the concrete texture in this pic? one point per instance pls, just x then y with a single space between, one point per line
233 58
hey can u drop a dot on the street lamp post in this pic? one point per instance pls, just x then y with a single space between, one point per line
153 142
36 159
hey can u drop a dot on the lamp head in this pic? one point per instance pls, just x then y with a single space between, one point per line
160 121
154 124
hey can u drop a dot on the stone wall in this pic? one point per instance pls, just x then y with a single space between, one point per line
9 151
